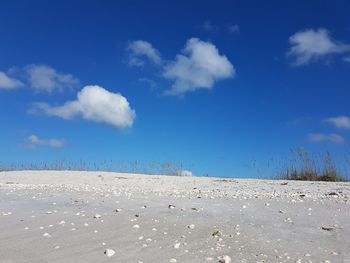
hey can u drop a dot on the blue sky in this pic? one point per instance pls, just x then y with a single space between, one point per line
209 84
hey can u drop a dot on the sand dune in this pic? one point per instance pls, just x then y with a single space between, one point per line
49 216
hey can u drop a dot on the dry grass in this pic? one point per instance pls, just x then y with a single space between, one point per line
313 167
165 168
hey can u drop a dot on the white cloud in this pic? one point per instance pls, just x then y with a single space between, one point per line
9 83
140 50
45 78
347 59
198 67
309 45
94 103
34 141
320 137
233 29
341 122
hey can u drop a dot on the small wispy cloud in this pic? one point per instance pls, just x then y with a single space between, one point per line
341 122
299 121
233 28
151 83
347 59
45 78
310 45
199 66
7 82
34 141
140 51
321 137
209 26
93 103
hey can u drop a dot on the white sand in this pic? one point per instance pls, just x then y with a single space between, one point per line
51 216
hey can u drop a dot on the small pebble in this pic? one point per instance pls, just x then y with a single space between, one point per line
46 235
191 226
224 259
109 252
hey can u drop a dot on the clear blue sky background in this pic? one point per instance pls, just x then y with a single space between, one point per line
271 103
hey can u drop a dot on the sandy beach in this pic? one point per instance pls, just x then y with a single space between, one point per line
59 216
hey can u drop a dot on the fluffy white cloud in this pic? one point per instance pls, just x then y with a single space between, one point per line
140 50
341 122
34 141
9 83
198 67
320 137
45 78
310 45
94 103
